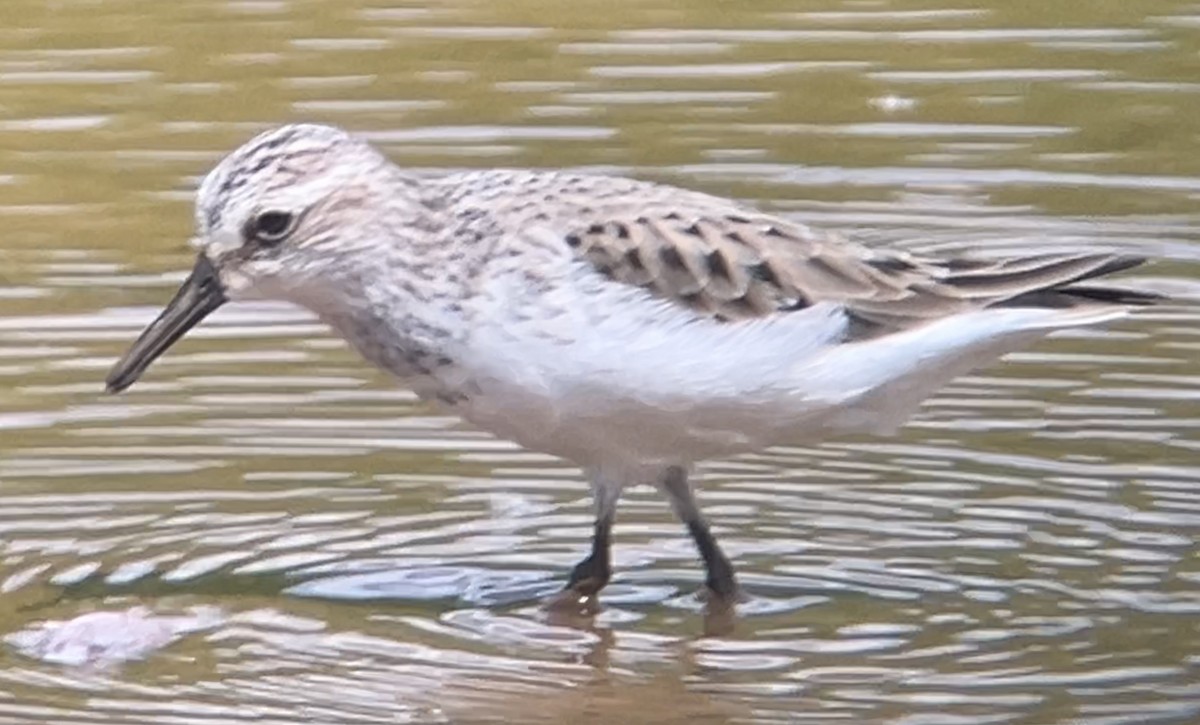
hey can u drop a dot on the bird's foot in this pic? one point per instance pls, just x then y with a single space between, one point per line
720 584
582 590
724 597
572 601
720 607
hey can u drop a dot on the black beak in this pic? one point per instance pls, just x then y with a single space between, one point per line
200 294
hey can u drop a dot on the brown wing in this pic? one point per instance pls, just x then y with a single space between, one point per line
737 267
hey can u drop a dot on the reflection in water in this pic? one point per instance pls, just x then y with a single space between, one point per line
1022 553
108 638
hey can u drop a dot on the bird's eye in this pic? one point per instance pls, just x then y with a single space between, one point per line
271 227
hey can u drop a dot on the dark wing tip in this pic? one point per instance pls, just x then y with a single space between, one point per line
1070 292
1116 263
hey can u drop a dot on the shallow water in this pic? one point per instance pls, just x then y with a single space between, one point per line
1022 553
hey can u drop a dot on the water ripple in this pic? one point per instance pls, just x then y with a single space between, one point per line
1020 553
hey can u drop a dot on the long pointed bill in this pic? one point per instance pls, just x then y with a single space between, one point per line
200 294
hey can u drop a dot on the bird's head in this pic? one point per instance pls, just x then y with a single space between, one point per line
274 220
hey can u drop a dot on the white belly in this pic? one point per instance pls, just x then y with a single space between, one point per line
633 379
647 382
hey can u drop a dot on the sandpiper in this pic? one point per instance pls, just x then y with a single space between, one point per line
630 327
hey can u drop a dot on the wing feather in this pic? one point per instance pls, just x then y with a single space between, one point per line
741 266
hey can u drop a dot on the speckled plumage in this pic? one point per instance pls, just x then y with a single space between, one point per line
633 328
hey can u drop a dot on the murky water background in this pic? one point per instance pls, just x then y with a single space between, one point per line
1023 553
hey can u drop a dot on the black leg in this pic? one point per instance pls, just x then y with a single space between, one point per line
719 576
592 574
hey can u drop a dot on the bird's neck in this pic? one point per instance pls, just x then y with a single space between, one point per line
393 295
407 327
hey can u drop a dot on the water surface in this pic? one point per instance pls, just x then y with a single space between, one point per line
1022 553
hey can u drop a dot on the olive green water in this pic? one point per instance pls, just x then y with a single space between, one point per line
1024 552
